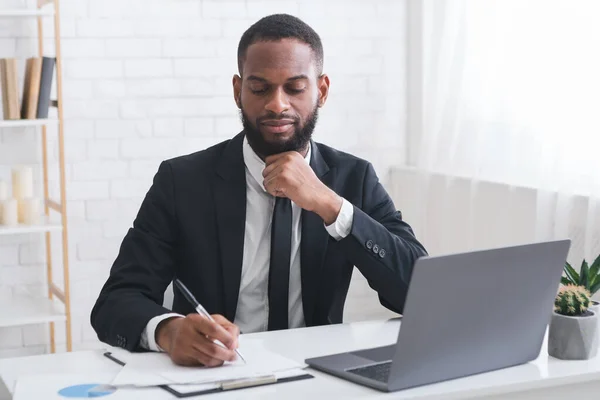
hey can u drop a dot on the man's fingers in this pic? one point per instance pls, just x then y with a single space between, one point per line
278 182
214 351
184 359
202 358
225 323
274 174
235 332
206 327
271 185
272 170
221 320
230 327
186 354
199 350
275 188
233 329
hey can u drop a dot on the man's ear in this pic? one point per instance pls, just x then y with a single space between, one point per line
237 90
323 86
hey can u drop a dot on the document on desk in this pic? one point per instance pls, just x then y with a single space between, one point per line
151 369
63 386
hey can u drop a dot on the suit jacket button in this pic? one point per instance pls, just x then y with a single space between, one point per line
376 248
369 244
382 253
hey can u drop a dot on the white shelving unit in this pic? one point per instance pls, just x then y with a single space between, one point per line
26 13
24 123
23 309
44 226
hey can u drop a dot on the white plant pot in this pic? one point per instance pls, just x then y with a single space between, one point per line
573 338
595 307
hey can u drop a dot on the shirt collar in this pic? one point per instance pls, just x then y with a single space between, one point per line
256 166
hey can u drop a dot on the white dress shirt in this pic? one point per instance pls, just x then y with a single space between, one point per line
252 313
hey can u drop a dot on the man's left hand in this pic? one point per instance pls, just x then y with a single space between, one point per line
289 175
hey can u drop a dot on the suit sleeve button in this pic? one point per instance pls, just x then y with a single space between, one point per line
376 248
369 244
382 253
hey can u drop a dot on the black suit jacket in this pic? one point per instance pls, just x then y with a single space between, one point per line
191 225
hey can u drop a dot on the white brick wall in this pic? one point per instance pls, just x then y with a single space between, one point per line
145 80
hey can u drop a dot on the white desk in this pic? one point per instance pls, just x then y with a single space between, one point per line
545 378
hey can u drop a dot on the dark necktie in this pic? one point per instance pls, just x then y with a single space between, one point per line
279 270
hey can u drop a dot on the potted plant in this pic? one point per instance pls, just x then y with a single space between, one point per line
589 278
573 333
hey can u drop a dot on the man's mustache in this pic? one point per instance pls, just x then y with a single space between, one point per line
274 116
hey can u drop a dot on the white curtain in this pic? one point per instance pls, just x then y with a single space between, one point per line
511 94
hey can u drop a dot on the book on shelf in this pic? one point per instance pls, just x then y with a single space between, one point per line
45 86
31 88
35 101
10 90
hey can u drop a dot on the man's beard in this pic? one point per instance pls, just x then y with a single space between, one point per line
298 142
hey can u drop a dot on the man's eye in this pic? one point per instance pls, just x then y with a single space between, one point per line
258 90
296 90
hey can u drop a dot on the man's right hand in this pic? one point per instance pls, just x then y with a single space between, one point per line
189 340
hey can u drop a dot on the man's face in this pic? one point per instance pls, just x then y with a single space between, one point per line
279 94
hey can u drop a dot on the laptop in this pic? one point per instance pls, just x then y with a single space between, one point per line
464 314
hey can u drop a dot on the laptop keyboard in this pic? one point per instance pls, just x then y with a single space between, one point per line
379 372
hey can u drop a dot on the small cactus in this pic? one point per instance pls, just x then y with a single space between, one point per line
572 300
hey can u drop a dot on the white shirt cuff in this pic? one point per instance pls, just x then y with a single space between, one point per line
343 224
148 339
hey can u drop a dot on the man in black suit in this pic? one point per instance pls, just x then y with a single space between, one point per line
264 229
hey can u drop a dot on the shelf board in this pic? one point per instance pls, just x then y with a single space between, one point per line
18 229
25 12
24 310
18 123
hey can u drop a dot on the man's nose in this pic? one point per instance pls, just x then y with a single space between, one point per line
278 103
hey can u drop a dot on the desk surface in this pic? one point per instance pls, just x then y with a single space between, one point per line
299 344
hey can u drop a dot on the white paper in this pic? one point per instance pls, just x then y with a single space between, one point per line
142 370
148 369
47 387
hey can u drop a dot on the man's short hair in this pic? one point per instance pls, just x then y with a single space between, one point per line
281 26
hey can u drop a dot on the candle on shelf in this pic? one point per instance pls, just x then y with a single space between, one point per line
3 195
30 209
9 215
22 182
20 211
3 190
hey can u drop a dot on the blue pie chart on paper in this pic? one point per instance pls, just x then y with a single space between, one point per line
83 391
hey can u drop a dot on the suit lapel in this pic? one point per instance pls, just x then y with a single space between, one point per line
314 241
230 205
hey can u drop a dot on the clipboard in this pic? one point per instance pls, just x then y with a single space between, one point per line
225 385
